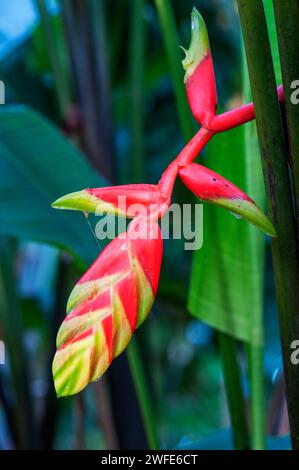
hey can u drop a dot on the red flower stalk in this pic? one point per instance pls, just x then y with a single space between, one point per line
236 117
116 294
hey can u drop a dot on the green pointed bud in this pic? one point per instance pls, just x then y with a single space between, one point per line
199 45
78 201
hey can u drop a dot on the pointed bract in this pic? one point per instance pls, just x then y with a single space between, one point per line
199 72
112 299
119 200
199 45
210 187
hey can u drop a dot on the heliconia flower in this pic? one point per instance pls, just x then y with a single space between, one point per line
118 200
105 307
116 294
199 72
213 188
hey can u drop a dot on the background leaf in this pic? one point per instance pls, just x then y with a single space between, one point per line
37 165
230 264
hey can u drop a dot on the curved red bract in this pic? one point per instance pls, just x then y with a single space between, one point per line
201 91
111 299
145 194
208 185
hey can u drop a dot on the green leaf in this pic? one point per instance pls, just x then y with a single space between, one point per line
170 36
230 263
270 17
38 165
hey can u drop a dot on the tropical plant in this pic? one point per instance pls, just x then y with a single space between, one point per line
108 112
100 320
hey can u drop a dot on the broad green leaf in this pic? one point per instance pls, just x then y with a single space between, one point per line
226 282
38 165
269 10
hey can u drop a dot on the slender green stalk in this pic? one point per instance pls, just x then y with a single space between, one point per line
254 349
117 31
255 355
61 84
104 416
85 26
171 40
79 419
136 61
287 20
232 380
52 407
99 63
274 159
8 412
143 395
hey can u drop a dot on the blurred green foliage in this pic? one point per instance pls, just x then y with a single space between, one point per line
38 164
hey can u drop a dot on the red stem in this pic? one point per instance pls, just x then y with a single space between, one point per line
236 117
194 147
187 155
220 123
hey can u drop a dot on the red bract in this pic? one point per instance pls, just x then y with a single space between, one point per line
199 77
213 188
201 85
112 299
118 200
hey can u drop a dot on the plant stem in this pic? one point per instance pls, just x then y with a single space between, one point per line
85 32
117 31
143 395
274 158
255 348
102 90
61 85
104 416
187 155
287 20
255 355
171 40
136 60
10 318
233 387
238 116
52 407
